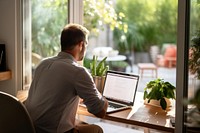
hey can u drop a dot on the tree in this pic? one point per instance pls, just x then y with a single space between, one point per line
195 9
155 22
49 17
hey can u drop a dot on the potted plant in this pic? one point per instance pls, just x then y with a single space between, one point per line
98 71
160 91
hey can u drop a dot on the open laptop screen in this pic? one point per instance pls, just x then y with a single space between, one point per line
120 86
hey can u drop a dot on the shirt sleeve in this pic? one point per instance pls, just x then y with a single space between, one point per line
87 90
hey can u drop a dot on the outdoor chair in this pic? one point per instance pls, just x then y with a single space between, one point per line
168 57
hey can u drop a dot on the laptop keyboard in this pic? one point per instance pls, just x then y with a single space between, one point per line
113 105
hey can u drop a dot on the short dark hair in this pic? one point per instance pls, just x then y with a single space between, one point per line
71 35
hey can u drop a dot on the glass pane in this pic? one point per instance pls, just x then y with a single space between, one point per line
193 47
144 32
133 32
48 18
100 17
193 118
44 25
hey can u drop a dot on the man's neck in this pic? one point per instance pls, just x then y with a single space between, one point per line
71 53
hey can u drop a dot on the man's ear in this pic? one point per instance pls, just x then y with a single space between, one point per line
81 45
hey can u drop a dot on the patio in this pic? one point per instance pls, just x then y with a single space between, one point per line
168 74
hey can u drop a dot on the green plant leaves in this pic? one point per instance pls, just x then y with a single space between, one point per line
101 67
145 95
163 103
93 65
98 69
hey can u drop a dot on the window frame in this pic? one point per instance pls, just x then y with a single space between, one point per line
75 15
182 63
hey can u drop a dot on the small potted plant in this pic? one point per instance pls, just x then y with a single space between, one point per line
98 71
160 91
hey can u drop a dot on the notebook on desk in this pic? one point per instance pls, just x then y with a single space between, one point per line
120 90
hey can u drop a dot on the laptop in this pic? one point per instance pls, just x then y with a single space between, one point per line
120 90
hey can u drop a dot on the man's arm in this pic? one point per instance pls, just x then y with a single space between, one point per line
86 89
102 113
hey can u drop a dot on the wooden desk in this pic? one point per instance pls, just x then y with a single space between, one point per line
141 115
5 75
147 66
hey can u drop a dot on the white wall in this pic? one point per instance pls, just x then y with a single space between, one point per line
10 34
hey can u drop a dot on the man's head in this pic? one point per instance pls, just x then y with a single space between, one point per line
74 39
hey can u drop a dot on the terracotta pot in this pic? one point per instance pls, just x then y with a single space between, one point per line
157 102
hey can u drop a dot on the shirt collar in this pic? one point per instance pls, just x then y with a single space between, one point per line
66 55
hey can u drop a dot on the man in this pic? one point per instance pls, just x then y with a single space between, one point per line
59 82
